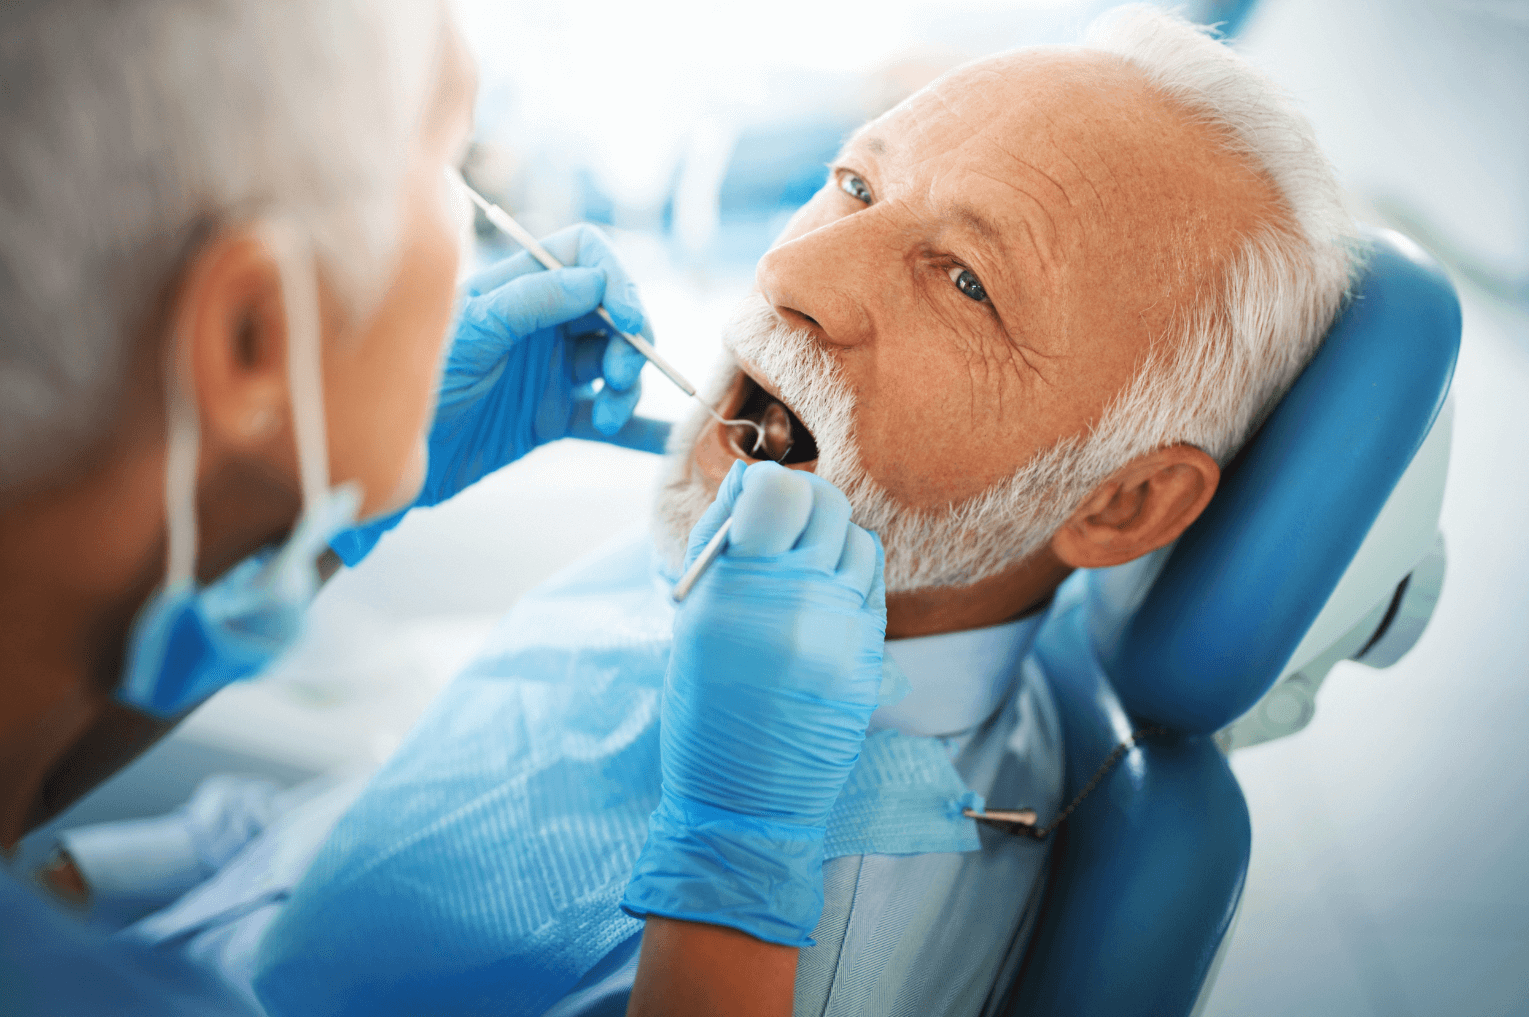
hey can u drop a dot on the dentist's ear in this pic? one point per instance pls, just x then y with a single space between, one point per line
234 325
1143 506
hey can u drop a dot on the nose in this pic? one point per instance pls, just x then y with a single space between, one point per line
824 281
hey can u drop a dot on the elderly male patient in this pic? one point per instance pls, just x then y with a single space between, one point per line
1031 314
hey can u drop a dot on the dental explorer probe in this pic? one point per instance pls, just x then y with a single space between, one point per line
703 561
775 420
502 219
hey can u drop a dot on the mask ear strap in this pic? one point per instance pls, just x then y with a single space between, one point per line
299 286
305 373
181 460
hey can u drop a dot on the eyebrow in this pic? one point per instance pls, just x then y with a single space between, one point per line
971 218
963 213
978 223
960 213
861 134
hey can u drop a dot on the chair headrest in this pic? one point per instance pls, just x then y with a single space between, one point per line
1228 604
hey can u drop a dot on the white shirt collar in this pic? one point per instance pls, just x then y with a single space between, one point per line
958 679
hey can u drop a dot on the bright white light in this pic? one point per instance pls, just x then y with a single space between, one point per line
618 86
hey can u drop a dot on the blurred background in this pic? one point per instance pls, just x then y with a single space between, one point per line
1390 869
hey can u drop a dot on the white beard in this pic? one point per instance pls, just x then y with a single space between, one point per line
957 545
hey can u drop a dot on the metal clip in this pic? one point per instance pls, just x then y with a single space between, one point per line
1008 820
1021 822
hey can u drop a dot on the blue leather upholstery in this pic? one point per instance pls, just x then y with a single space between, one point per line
1248 578
1147 872
1227 15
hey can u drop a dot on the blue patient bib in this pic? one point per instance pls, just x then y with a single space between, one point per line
482 869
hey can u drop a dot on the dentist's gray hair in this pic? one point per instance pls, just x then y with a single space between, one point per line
130 127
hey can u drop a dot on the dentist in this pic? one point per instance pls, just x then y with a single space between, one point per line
231 341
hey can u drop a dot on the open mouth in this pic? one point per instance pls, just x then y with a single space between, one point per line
786 438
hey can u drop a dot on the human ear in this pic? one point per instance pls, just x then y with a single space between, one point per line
232 323
1143 506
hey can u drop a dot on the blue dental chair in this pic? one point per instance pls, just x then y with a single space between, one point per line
1147 873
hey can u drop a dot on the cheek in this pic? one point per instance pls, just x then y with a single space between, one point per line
914 422
410 479
936 426
383 382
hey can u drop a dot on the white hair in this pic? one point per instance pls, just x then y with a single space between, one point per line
1243 345
1224 363
131 128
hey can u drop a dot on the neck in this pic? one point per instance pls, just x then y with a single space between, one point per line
77 563
1008 595
74 566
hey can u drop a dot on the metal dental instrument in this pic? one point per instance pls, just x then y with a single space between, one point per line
777 425
708 555
518 233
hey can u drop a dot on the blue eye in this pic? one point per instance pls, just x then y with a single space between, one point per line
968 283
855 187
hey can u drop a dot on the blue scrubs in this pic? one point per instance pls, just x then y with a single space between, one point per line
52 964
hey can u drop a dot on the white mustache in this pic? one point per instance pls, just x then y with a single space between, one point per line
807 377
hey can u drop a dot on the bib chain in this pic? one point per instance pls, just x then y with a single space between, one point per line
1021 822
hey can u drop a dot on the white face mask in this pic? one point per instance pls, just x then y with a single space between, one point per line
188 642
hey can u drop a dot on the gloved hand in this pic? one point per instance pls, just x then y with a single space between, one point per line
526 348
772 679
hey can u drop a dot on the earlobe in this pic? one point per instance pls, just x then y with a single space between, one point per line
1143 506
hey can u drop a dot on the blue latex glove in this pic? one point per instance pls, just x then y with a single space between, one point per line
518 371
772 679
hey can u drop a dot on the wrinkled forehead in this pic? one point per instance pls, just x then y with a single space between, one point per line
1078 117
1066 150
